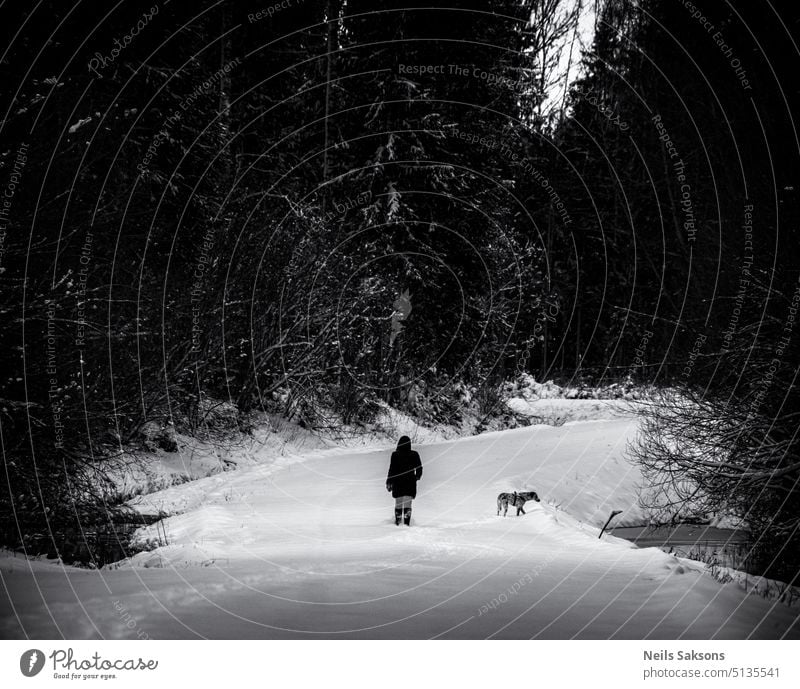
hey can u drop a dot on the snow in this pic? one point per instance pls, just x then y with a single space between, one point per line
558 411
75 127
304 546
144 473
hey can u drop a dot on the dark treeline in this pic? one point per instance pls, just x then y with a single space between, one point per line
683 129
229 200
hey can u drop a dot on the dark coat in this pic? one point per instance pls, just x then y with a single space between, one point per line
405 469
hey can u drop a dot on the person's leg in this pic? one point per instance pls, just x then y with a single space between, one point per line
407 510
398 510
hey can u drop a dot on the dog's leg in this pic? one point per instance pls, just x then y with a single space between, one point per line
505 508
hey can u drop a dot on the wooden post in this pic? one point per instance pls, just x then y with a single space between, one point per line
608 521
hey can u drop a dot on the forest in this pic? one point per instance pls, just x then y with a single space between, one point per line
318 207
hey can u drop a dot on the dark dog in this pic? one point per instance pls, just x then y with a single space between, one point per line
515 500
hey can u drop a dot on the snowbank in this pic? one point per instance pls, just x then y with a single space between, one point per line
304 546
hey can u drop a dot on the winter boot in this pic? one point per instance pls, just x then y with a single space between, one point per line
407 516
398 513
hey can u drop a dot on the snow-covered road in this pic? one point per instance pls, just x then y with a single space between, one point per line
306 547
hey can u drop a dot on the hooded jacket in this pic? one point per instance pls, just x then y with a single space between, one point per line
405 469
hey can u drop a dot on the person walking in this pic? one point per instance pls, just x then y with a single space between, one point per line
405 469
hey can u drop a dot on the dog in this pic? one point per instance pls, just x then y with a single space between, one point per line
514 499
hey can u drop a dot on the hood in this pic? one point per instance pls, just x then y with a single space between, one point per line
404 444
